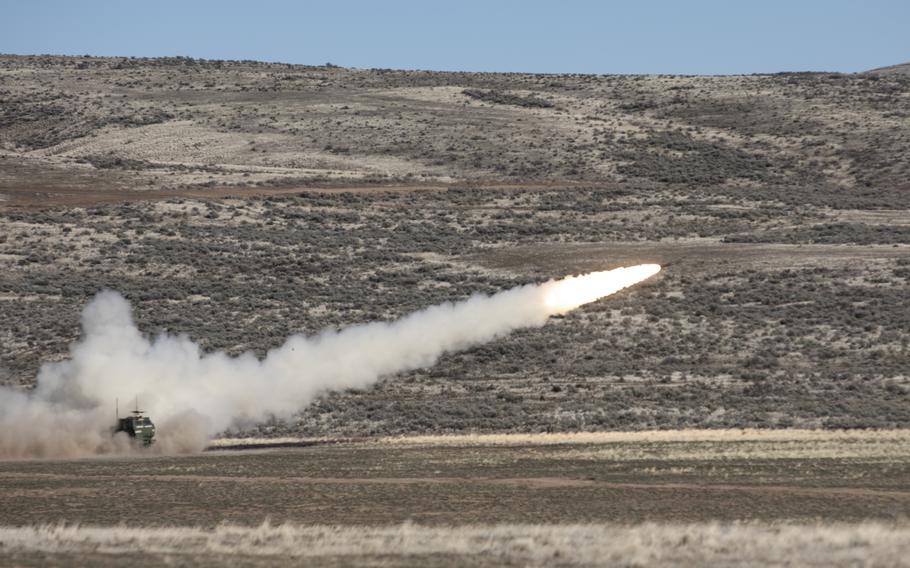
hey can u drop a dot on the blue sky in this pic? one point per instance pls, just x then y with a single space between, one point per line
571 36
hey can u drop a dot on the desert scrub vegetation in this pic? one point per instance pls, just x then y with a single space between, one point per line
730 337
783 308
831 233
291 124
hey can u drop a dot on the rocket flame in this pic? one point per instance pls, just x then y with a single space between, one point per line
574 291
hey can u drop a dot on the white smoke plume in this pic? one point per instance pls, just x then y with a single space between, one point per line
192 395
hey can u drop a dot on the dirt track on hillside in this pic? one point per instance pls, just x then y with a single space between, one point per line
695 256
38 197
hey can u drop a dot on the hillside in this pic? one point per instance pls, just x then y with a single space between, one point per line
240 202
143 124
900 69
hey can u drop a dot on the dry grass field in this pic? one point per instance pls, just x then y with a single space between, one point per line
647 498
681 476
651 544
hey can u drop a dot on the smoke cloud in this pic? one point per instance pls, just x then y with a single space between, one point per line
192 395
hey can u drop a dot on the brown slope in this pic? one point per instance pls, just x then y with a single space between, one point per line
899 69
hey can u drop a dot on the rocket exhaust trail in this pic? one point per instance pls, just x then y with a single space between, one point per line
192 395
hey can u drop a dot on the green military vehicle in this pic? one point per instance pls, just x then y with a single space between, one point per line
137 426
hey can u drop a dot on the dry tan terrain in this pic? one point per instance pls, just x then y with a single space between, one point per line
749 404
647 498
162 124
652 544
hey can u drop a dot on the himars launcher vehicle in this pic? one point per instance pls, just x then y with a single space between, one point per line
136 426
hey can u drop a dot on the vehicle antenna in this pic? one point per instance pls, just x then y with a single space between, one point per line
117 407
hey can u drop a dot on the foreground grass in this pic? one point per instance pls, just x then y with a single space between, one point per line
652 544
